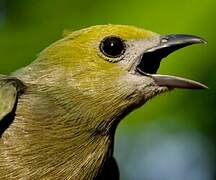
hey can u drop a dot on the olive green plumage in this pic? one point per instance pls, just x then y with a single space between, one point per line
58 115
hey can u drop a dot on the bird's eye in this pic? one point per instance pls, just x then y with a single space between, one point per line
112 47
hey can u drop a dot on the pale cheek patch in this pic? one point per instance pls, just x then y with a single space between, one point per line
134 51
141 87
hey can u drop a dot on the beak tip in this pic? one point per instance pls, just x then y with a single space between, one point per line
198 40
203 41
205 87
200 86
177 82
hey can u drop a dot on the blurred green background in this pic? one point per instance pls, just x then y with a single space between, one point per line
173 137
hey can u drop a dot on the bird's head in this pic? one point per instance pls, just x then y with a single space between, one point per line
113 67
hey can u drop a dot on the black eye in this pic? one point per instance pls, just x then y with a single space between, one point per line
112 47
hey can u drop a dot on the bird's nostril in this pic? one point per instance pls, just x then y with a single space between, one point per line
164 40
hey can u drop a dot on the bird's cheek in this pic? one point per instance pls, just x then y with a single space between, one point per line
146 88
135 86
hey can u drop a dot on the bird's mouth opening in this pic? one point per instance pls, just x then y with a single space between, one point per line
151 58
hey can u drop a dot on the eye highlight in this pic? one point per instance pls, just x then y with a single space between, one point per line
112 47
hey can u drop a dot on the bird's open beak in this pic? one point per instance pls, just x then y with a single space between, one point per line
151 58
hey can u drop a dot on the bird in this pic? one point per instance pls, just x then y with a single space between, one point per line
59 114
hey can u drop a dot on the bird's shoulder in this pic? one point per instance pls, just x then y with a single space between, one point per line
10 90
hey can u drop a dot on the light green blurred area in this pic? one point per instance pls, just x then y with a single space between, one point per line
27 27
